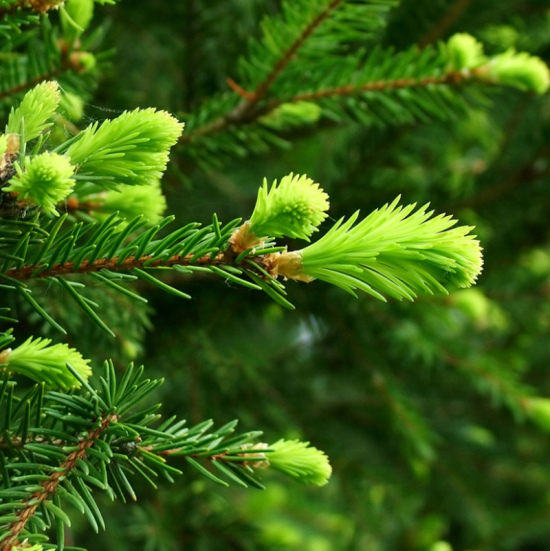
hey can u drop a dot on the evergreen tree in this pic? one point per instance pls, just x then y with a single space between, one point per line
261 298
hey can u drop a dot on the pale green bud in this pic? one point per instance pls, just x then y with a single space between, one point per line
71 106
41 362
520 70
393 251
131 201
300 461
132 149
289 115
34 114
293 208
464 52
46 180
538 410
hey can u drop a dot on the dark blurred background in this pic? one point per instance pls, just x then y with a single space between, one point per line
419 406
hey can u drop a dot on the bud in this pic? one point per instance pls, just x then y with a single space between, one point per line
293 208
131 149
76 17
34 114
46 180
131 201
300 461
538 410
391 251
44 363
520 70
464 52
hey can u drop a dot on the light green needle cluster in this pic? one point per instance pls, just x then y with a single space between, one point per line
35 113
41 362
538 410
46 181
130 150
393 251
300 461
292 208
465 52
520 70
131 201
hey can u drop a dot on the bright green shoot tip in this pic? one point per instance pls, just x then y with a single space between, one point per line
300 461
465 52
34 114
41 362
394 251
46 180
292 208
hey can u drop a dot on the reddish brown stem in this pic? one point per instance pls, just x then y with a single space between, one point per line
68 268
264 87
49 486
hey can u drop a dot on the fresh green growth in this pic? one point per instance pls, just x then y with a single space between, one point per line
46 180
76 16
35 113
132 201
292 208
464 52
520 70
538 409
300 461
131 149
43 362
391 251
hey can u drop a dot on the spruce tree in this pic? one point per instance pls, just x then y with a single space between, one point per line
259 297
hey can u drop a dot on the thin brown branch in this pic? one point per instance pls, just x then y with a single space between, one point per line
448 78
445 23
49 487
112 264
264 87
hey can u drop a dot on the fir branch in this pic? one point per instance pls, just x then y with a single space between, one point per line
50 486
112 264
264 86
451 78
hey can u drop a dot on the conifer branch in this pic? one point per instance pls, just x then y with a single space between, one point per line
49 486
112 264
264 86
451 78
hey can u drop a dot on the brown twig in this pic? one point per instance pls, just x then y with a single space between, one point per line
264 87
451 78
113 265
445 23
448 78
49 486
